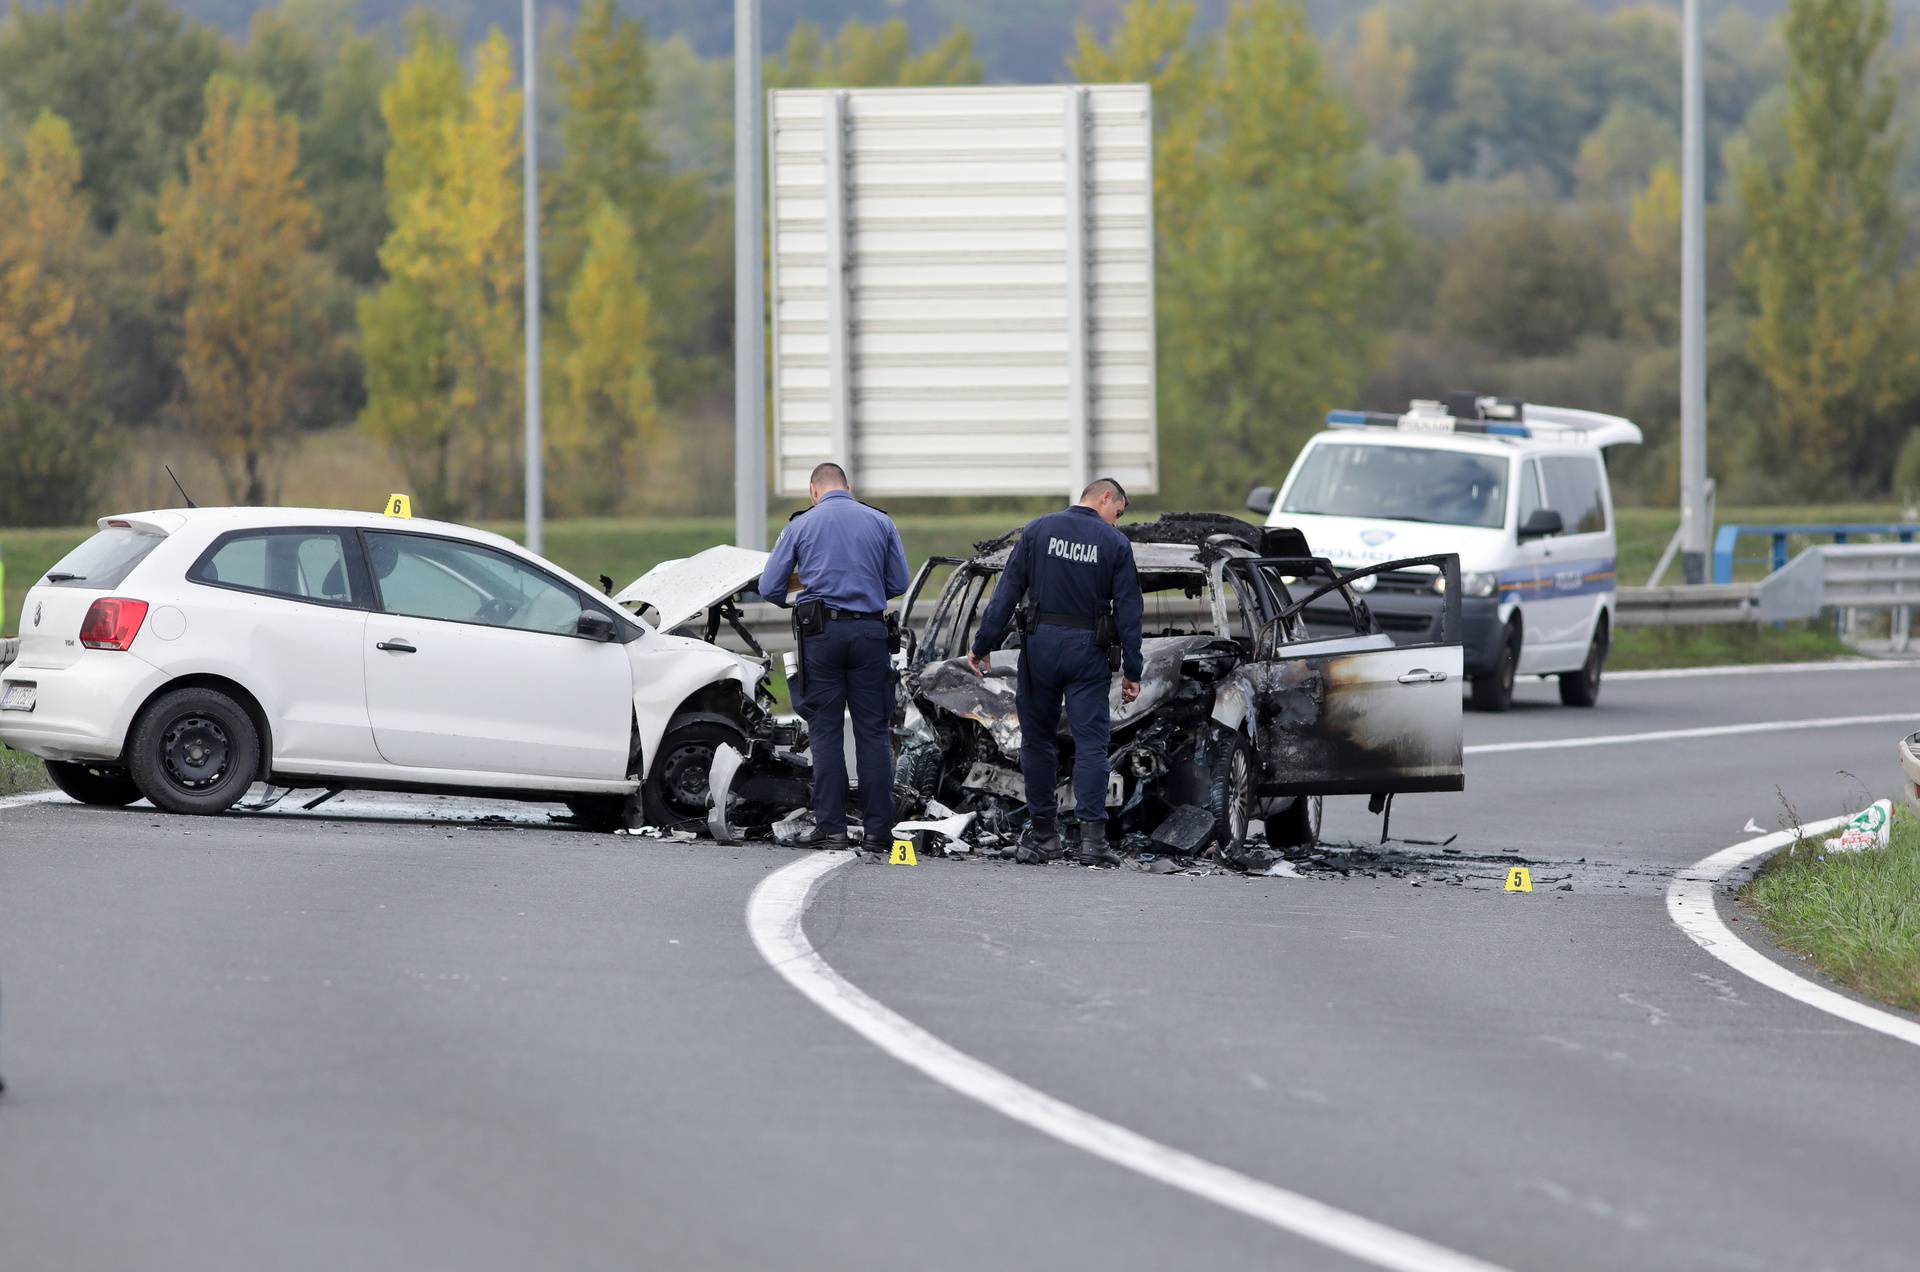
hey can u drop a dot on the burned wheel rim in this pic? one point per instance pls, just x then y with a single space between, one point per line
1239 795
196 752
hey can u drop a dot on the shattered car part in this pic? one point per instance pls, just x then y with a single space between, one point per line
949 829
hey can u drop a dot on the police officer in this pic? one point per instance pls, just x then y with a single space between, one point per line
846 560
1077 572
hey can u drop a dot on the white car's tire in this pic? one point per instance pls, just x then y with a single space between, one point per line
194 751
92 784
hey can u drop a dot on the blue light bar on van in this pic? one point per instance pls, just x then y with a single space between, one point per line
1413 422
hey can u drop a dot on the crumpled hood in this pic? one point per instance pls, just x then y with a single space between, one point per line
989 700
680 591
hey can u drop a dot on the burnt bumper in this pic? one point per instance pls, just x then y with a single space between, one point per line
1414 619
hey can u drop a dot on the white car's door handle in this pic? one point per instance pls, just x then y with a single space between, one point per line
1421 676
396 646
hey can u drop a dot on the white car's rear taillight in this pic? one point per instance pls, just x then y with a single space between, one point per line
112 622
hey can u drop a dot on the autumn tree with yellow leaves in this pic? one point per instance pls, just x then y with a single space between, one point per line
236 237
49 424
443 334
606 437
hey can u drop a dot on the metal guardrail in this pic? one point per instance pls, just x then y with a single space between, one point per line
1848 578
1726 541
1874 576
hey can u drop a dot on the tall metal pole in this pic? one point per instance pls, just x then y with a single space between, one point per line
1695 522
749 299
530 180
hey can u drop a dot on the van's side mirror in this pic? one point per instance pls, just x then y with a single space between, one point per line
1543 522
1260 499
594 625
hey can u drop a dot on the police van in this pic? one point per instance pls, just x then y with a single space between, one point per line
1518 490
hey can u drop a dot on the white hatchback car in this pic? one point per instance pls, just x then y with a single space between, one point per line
183 655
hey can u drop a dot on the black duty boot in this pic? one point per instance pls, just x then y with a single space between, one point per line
1094 849
1039 842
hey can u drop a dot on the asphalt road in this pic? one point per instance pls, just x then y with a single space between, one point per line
393 1035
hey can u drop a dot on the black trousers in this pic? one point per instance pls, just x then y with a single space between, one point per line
845 670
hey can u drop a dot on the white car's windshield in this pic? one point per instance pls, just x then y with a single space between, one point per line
1401 483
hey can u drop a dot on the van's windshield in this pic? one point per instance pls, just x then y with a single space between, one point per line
1401 483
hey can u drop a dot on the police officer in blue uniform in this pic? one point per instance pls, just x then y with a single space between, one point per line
1076 571
846 560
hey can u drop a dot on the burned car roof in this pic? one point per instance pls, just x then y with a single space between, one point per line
1171 541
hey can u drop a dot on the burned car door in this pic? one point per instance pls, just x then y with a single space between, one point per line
1352 713
916 648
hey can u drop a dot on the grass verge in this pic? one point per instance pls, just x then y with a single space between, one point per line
1855 915
1648 648
21 772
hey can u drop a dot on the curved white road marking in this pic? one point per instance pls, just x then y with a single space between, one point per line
1710 731
774 915
1690 904
1767 669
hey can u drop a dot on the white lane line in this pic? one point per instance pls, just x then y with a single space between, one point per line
774 914
1690 905
1710 731
1768 669
32 797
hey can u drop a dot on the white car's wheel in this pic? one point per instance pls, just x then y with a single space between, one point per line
194 751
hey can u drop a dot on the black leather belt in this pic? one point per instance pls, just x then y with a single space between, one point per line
842 615
1081 621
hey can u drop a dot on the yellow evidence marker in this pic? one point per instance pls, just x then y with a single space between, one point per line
903 854
399 506
1518 880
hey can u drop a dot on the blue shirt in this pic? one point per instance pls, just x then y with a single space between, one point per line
847 554
1070 562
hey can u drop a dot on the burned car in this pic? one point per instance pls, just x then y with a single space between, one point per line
1243 713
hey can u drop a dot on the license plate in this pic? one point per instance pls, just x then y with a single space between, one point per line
17 698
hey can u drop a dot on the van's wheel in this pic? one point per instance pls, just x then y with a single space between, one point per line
1493 691
1230 796
1582 688
675 792
91 784
1299 825
194 751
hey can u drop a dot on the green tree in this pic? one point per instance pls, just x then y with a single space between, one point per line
1625 148
1275 234
236 236
607 427
328 77
127 75
612 158
1834 331
866 55
1528 281
49 427
442 337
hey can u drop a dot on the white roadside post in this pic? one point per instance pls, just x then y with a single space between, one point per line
1695 519
530 181
749 302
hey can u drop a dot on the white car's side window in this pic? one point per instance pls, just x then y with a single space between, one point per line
302 565
422 577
